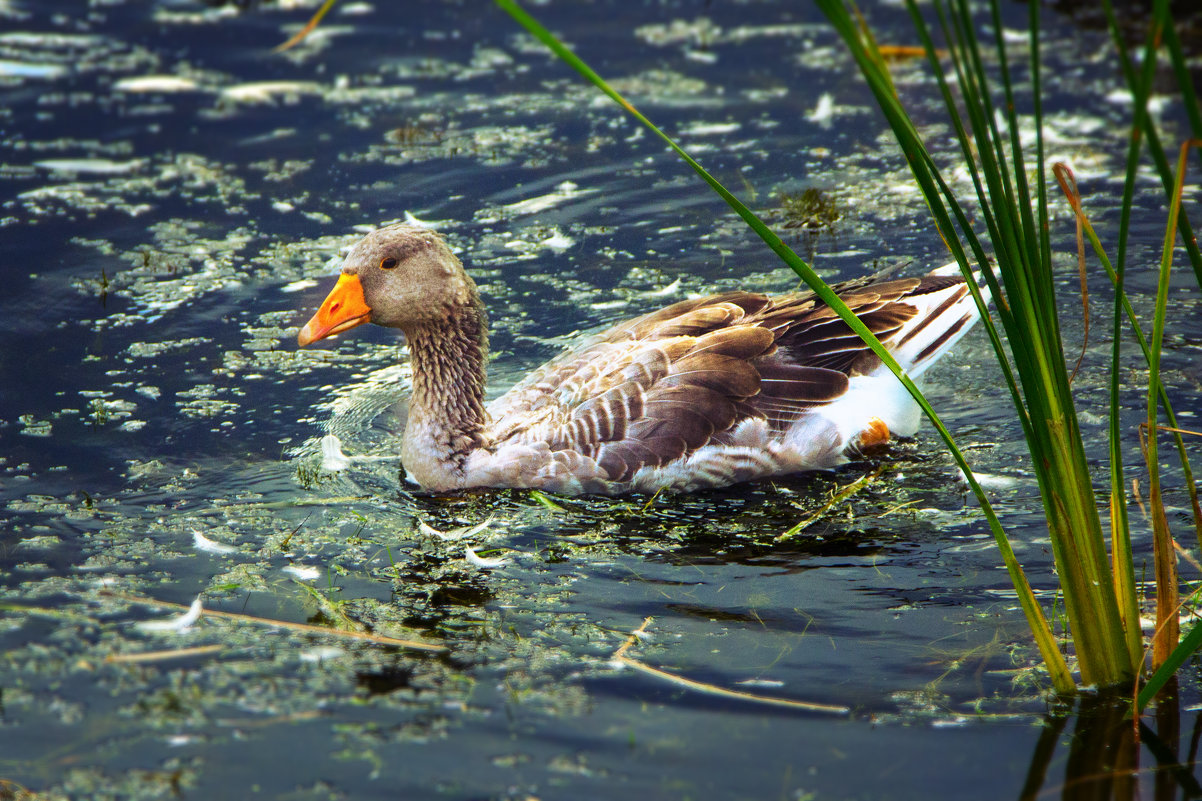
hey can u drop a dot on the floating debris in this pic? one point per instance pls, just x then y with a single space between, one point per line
202 543
156 83
475 559
25 69
558 241
91 166
302 572
334 460
824 112
178 624
33 427
321 653
992 480
564 192
709 128
452 534
332 457
760 683
297 286
269 91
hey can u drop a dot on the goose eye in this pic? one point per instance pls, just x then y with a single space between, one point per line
388 263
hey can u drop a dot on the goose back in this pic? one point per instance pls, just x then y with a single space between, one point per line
720 376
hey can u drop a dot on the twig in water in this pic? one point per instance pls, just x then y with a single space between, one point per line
306 627
841 495
711 689
1187 556
159 656
338 501
1139 499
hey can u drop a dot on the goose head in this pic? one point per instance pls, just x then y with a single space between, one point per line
400 276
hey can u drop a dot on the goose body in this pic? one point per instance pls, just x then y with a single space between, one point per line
704 393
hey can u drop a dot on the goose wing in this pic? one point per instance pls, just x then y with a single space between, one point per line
657 388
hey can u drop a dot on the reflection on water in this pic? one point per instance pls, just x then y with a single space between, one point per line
1094 750
174 201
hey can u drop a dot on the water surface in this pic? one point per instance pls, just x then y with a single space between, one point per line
173 202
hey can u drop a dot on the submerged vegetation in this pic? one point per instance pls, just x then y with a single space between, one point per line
811 209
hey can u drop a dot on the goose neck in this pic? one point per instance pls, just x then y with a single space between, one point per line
446 410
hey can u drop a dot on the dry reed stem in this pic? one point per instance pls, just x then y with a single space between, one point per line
1068 185
1172 430
1139 499
161 656
305 627
1187 556
711 689
308 29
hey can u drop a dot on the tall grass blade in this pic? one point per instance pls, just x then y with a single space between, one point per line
1121 562
1167 633
1189 97
1139 84
1123 303
1185 81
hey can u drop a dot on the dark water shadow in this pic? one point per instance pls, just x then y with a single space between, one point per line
1106 752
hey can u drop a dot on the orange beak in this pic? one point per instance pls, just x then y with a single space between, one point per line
343 309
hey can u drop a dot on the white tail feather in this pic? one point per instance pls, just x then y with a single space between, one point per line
922 341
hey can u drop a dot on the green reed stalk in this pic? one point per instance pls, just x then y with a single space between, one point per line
1164 653
1167 627
1140 82
1143 127
1017 223
1122 561
1045 640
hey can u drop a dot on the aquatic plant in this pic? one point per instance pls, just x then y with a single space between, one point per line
1100 593
1101 596
811 209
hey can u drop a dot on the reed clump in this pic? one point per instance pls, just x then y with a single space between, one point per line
1092 545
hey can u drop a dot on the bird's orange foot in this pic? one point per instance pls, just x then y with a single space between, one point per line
875 434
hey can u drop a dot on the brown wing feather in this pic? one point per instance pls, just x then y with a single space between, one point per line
715 371
650 326
818 337
800 384
832 344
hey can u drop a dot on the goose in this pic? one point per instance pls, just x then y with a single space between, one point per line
704 393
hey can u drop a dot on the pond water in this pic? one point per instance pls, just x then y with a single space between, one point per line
173 201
